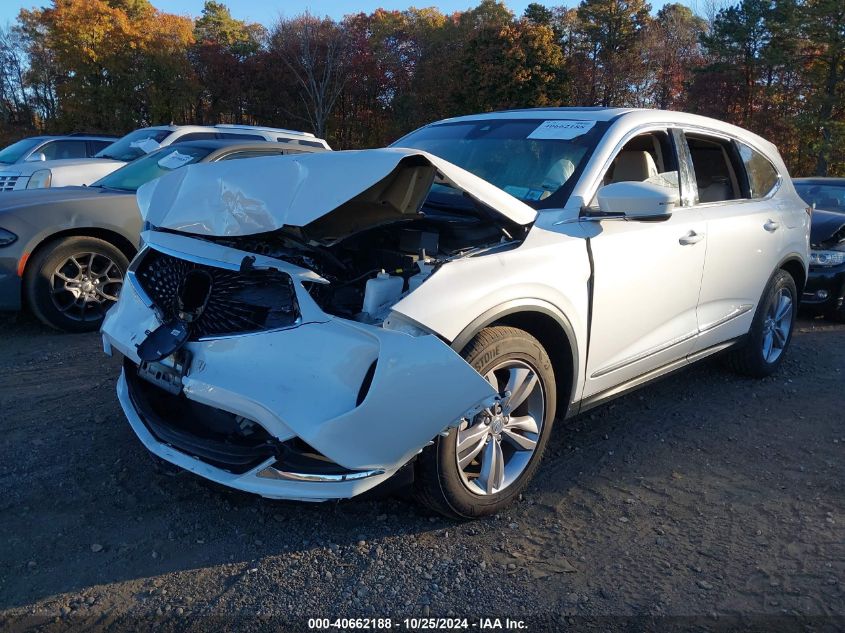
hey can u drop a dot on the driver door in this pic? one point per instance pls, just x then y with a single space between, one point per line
646 276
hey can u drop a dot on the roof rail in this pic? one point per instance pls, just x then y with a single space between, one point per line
263 128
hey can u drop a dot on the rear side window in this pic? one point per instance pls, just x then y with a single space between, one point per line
761 175
249 154
96 146
241 135
716 169
195 136
64 149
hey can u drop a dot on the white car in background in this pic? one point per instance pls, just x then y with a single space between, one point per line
39 149
307 327
39 174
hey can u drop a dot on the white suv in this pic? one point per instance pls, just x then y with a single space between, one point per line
83 171
309 327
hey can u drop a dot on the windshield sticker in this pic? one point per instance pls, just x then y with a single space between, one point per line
146 145
525 193
561 130
175 160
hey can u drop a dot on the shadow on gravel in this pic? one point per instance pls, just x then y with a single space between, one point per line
694 472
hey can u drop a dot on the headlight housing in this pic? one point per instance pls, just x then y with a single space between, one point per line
7 238
399 323
40 179
826 259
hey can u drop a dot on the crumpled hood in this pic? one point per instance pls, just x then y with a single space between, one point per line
346 191
827 228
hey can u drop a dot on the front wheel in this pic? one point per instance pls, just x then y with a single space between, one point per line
71 283
765 346
484 463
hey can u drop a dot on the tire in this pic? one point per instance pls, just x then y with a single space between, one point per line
71 283
499 354
751 357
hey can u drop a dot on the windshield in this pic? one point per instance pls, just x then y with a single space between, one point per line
535 161
134 144
15 151
825 197
151 166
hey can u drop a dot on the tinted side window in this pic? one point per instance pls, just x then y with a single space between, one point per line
96 146
762 177
715 169
64 149
195 136
246 137
248 154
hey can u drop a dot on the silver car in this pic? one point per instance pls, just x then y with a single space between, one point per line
64 251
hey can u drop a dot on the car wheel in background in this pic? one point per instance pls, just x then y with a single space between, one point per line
71 283
484 463
764 348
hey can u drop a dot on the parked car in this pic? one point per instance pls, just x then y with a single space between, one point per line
307 327
39 149
63 252
83 171
825 290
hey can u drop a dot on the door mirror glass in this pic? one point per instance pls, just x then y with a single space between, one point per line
647 200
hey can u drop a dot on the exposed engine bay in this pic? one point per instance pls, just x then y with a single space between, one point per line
371 270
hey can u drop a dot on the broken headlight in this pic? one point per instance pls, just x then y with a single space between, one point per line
399 323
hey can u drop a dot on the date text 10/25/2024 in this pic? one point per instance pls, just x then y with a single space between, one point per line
417 624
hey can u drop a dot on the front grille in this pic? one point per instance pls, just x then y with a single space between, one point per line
7 183
239 302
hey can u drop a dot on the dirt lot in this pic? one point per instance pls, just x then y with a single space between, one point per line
707 497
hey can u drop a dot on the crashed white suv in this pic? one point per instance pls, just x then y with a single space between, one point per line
307 327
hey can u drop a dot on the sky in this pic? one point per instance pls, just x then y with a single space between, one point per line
267 11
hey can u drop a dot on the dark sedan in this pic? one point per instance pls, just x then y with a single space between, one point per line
63 252
825 288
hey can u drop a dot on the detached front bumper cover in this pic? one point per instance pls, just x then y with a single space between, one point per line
366 398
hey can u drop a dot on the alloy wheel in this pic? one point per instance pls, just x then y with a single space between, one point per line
495 447
85 286
777 325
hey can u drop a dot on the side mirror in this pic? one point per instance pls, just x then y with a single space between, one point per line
35 158
638 200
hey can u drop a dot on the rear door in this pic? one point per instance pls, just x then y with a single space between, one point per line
734 186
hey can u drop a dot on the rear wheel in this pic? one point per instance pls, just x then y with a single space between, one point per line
765 346
484 463
71 283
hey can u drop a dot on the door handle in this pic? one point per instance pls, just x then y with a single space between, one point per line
691 238
771 226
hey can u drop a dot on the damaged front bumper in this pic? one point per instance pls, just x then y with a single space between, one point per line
337 406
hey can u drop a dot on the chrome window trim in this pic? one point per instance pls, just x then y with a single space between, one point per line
732 139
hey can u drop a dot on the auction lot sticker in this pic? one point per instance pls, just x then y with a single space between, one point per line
561 130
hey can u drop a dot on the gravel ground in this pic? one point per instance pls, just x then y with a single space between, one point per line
703 502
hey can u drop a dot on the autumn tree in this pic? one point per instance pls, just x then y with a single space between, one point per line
117 63
672 51
609 33
222 58
316 52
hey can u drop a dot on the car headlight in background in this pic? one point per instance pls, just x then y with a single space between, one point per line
40 179
7 237
827 259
